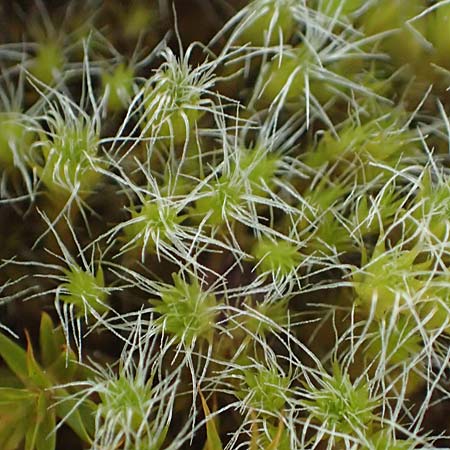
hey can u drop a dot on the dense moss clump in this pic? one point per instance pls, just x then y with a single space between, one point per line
224 224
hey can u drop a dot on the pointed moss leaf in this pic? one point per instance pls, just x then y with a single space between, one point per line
64 368
254 432
41 426
9 379
86 410
11 438
14 356
36 376
16 409
51 340
80 419
160 441
274 445
10 395
119 85
213 441
45 424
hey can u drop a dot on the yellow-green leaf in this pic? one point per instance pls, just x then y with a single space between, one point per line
51 340
14 356
81 419
254 432
35 373
213 441
17 407
46 423
64 367
276 440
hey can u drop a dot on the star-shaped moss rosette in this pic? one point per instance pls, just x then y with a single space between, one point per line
186 311
176 96
66 156
339 409
382 285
